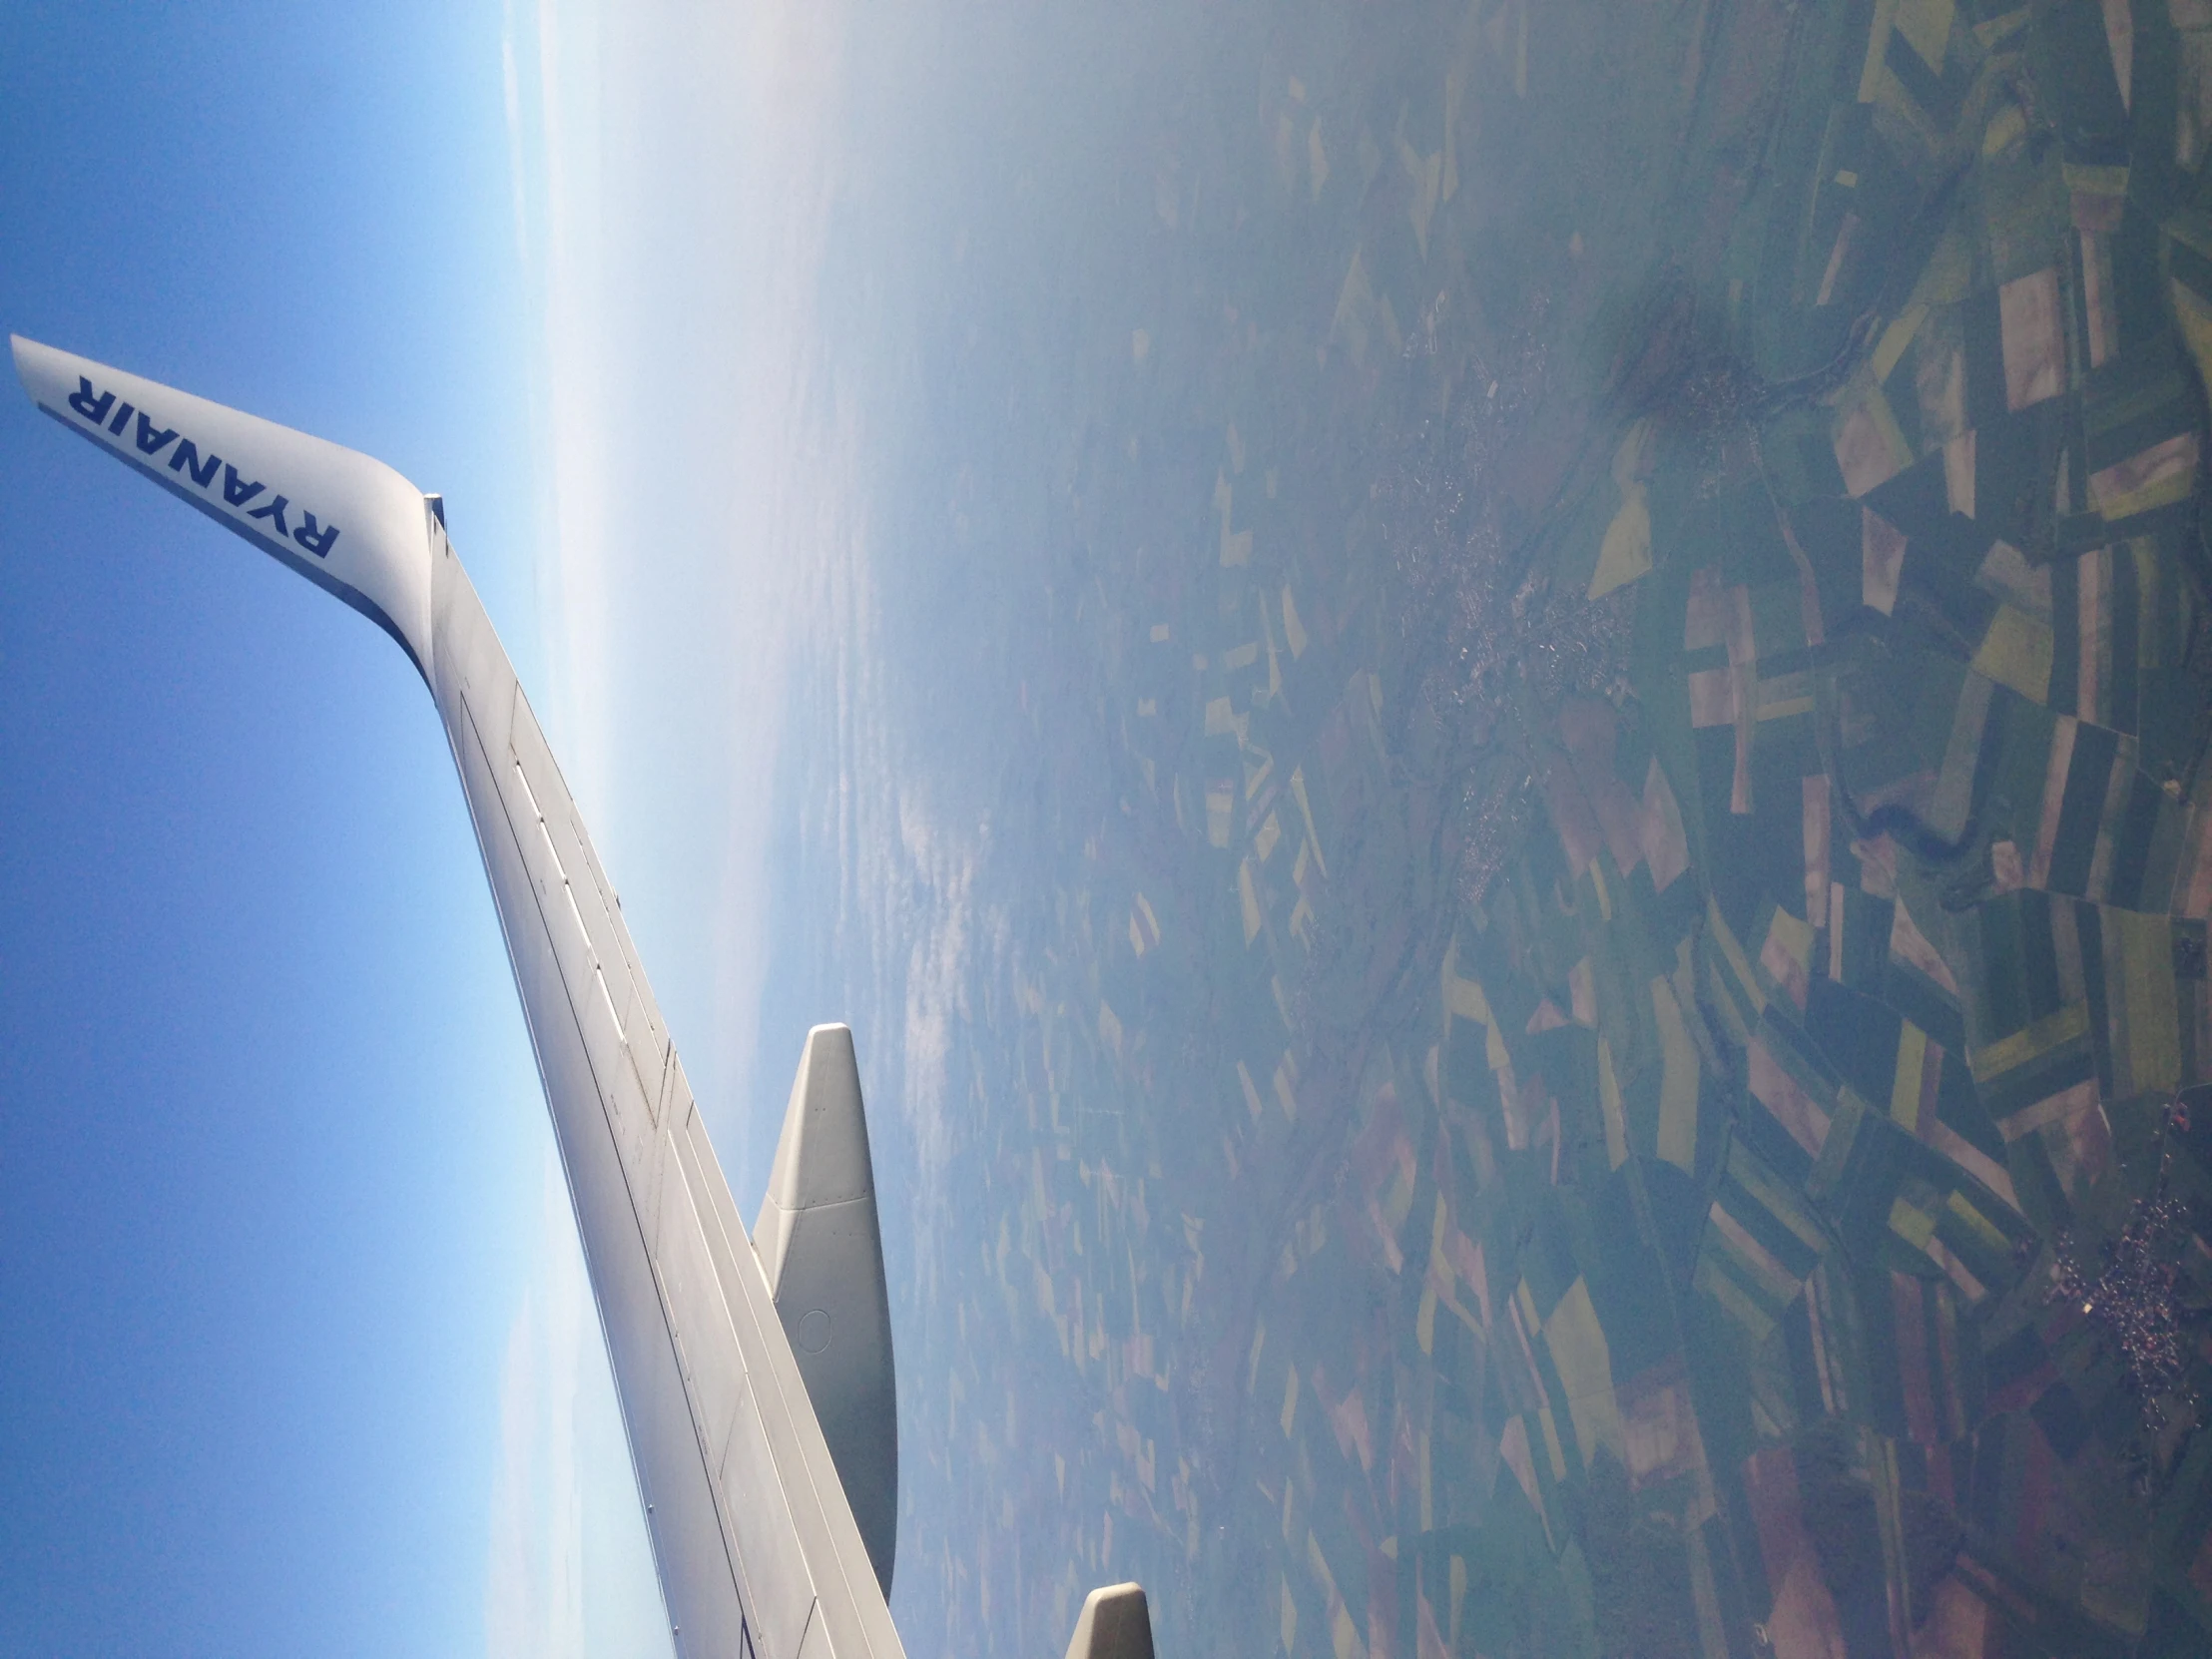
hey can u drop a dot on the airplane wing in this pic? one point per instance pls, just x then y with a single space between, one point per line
751 1528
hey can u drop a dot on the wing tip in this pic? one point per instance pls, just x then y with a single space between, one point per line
20 352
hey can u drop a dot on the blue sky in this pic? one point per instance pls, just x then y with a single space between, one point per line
294 1352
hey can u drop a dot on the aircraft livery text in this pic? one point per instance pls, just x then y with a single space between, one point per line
100 409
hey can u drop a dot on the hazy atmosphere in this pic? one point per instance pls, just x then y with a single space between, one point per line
1493 717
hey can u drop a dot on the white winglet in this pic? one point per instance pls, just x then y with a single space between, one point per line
345 522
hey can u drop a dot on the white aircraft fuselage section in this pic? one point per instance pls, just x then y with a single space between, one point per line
752 1530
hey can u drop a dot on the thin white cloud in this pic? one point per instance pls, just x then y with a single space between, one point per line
675 172
511 1599
510 79
572 272
534 1593
569 1570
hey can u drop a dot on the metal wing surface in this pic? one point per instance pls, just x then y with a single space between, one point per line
755 1538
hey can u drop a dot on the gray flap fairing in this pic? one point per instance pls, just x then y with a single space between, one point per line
823 1252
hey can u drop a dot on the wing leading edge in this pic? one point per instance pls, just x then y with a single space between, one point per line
753 1532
